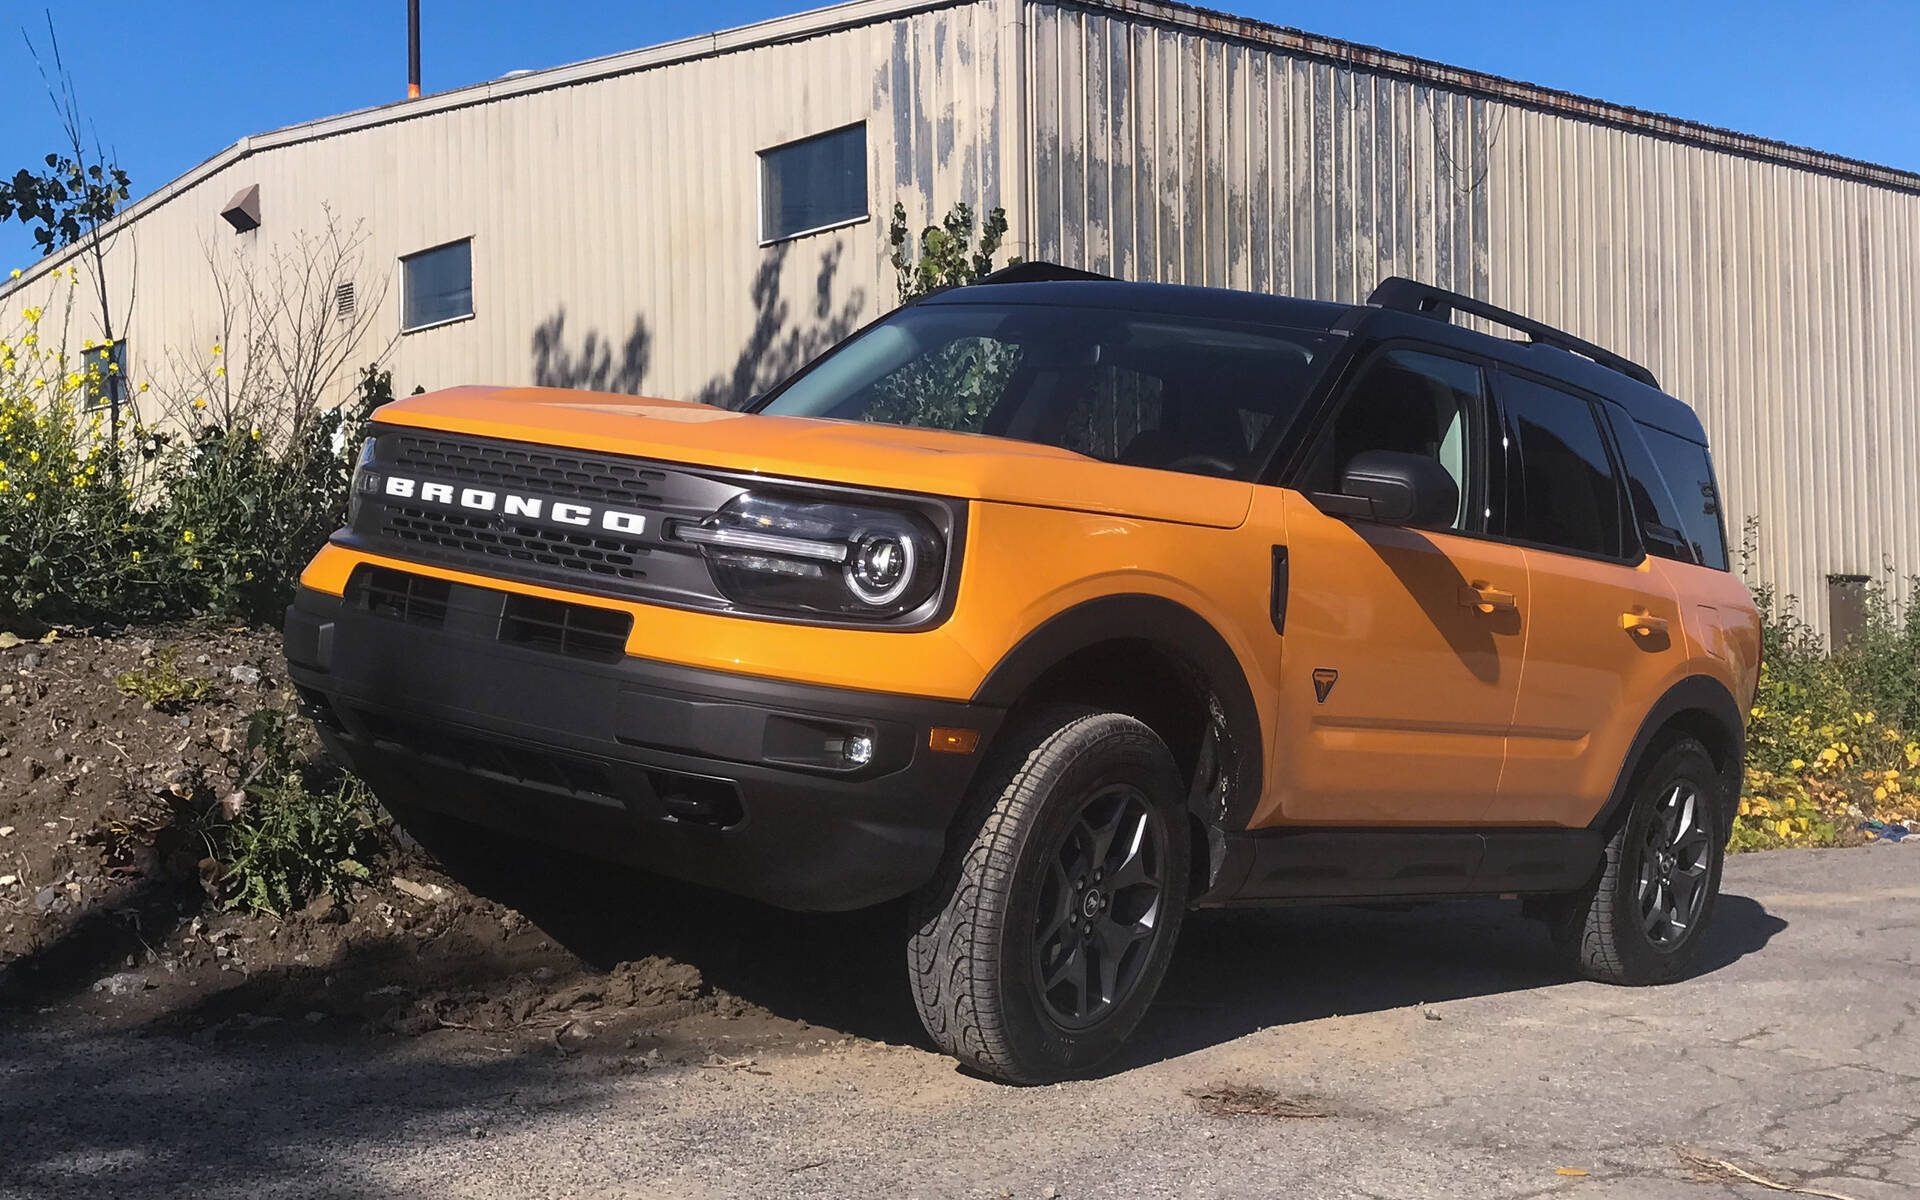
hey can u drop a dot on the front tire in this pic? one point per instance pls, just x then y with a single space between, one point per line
1042 941
1641 921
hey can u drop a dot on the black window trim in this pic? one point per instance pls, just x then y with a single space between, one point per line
1483 469
1634 549
760 187
472 308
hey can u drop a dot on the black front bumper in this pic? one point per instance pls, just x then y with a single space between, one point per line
720 779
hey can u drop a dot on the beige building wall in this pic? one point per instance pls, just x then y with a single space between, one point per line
613 205
1776 290
613 211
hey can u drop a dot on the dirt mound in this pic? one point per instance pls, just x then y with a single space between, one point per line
104 914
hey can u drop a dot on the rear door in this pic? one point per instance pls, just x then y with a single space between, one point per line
1402 649
1607 629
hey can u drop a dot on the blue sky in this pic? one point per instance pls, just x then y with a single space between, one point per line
169 83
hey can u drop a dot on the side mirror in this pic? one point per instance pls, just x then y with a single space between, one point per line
1398 489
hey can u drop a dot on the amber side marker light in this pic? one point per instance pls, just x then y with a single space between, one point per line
953 741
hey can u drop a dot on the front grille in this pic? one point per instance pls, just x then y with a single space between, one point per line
510 467
573 629
571 773
415 599
553 626
595 554
668 795
574 519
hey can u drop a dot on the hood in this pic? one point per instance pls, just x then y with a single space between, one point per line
962 465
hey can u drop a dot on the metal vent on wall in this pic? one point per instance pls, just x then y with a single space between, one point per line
343 301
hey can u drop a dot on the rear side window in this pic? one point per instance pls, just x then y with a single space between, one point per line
1561 486
1654 510
1689 475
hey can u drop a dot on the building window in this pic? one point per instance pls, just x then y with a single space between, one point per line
813 184
438 286
105 375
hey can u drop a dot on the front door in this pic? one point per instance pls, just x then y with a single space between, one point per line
1400 660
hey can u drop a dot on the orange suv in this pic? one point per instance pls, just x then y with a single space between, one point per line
1063 606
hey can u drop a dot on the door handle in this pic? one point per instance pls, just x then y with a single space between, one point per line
1642 624
1486 599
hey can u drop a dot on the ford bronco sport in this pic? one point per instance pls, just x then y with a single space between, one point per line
1063 606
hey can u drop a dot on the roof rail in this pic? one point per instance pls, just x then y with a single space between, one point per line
1422 299
1041 272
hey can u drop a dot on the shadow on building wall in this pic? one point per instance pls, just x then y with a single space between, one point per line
778 344
593 365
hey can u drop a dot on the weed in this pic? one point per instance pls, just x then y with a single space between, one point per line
162 684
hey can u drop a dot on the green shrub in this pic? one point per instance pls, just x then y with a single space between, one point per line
216 513
1833 739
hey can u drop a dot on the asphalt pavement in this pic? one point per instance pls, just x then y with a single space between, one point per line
1425 1053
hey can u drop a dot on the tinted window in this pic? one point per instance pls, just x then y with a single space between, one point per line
1654 511
1144 389
1409 402
813 183
438 285
1689 475
1561 486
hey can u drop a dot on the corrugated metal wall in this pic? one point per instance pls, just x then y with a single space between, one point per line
615 222
1781 303
613 208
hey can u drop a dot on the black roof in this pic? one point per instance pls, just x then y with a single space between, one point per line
1546 351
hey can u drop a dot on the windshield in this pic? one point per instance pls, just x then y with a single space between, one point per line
1140 388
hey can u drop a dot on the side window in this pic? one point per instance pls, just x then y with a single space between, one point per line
1689 475
1560 480
1414 403
1654 511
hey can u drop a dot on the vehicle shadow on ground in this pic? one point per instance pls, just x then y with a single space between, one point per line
1235 971
1241 971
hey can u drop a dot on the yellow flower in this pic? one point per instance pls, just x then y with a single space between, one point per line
217 348
1880 793
16 273
220 371
196 564
143 387
256 435
1798 764
199 401
187 536
136 556
30 497
87 345
5 486
1829 755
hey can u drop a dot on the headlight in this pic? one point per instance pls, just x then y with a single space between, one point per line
364 481
815 556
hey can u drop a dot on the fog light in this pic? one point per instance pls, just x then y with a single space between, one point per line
858 751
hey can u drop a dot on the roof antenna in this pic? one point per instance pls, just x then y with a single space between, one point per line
413 49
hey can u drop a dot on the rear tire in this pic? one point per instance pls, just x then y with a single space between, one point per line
1641 920
1041 943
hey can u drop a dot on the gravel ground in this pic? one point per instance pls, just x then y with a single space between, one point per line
1418 1054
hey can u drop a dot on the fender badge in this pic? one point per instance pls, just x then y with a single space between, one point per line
1323 680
